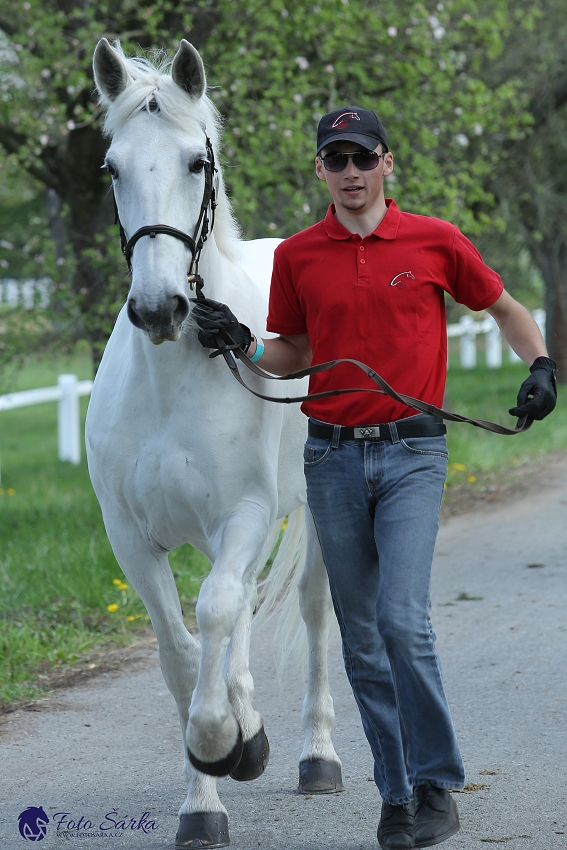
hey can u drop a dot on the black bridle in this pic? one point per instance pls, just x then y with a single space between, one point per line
202 230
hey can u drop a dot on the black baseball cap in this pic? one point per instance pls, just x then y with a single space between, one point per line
351 124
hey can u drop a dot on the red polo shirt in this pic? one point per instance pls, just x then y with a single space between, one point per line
378 299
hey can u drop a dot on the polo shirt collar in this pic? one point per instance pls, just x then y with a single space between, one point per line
387 229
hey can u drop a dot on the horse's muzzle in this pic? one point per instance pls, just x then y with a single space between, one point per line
161 323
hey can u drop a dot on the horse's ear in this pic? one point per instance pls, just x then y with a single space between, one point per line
188 71
110 74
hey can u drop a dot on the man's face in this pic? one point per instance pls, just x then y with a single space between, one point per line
354 190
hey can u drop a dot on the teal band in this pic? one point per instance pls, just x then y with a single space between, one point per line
259 350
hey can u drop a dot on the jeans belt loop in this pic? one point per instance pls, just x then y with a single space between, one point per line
336 436
393 432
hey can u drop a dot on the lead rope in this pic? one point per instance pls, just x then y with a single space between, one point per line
228 346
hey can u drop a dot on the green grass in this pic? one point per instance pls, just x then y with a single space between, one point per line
488 394
57 572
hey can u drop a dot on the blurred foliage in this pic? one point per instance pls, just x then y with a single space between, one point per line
530 181
459 84
281 67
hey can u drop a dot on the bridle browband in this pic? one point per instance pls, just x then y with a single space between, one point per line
202 229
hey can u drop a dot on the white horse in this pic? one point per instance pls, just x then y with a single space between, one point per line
178 451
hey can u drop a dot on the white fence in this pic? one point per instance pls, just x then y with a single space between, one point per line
67 393
468 330
27 293
69 389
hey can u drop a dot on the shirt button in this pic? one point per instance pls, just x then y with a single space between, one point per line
362 262
362 247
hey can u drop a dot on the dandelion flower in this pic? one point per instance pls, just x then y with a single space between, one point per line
284 524
471 479
1 491
112 608
116 581
122 586
11 491
460 466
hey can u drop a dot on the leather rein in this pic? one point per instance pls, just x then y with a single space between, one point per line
228 348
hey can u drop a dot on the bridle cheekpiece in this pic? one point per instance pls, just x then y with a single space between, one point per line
202 230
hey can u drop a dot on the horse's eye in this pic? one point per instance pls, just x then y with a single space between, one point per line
111 170
197 166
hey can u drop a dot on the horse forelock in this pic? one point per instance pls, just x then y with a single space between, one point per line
151 82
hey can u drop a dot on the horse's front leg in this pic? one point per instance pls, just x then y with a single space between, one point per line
202 818
240 685
214 737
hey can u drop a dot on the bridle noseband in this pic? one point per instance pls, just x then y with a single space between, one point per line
194 243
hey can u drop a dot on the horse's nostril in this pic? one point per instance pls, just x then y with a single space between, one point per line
180 309
133 315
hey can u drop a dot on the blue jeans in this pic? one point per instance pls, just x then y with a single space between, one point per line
376 509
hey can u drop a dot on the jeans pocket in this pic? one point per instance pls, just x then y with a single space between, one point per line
435 446
315 451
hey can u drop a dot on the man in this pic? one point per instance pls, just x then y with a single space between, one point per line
368 283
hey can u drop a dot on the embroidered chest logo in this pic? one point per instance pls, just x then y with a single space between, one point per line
400 279
342 121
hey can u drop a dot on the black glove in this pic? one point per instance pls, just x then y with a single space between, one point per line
211 317
538 393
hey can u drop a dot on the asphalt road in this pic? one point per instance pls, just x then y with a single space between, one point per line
113 744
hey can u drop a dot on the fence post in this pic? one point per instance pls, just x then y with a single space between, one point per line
539 318
493 344
468 343
68 419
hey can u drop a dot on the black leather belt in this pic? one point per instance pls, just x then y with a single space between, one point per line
430 427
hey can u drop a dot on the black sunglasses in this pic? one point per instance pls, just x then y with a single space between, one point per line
363 160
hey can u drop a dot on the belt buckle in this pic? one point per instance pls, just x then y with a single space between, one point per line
367 432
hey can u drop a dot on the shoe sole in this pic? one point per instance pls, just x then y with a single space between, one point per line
386 847
439 839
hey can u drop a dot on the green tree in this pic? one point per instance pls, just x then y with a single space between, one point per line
530 181
274 68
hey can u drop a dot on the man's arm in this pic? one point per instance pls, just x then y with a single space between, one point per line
519 328
284 354
538 393
280 356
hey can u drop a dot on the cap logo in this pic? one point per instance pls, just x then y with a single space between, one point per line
342 121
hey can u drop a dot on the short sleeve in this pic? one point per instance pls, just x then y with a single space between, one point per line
469 280
285 315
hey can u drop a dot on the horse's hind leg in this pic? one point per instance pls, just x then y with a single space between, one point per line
203 818
256 750
319 765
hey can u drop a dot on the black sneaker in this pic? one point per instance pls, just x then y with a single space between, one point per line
395 830
436 816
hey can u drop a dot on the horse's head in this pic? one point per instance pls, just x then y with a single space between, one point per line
159 124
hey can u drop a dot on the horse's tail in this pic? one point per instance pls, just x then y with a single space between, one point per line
279 593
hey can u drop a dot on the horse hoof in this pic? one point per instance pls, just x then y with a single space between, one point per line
202 829
319 776
255 758
222 767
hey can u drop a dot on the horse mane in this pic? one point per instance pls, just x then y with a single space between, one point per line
152 89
